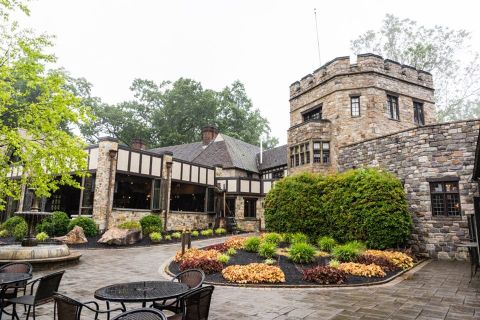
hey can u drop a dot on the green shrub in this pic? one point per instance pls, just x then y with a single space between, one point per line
326 243
176 235
220 231
301 252
251 244
88 225
299 237
20 231
231 251
195 233
151 223
130 225
267 249
3 233
206 233
42 236
155 236
223 258
270 261
348 252
11 223
287 237
272 237
334 263
364 204
55 225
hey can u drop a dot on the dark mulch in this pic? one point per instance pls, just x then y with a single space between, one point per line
93 244
292 271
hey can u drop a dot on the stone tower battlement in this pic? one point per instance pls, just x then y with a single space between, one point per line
366 63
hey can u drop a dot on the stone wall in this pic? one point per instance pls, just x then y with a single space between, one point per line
371 78
123 215
190 220
415 155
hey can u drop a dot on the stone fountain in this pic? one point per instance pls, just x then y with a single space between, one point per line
30 251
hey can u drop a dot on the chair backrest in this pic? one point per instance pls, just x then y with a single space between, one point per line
66 308
193 278
16 267
196 303
141 314
47 286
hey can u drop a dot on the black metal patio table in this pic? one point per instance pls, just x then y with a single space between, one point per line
9 278
142 291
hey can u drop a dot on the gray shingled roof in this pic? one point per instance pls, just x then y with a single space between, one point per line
186 152
225 150
272 158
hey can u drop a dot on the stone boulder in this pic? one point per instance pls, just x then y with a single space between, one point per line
75 236
117 236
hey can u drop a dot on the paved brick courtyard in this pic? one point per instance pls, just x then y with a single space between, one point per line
440 290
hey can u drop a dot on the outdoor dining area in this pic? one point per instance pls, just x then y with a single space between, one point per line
182 298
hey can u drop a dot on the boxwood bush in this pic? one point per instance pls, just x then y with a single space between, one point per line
151 223
11 223
55 225
362 204
88 225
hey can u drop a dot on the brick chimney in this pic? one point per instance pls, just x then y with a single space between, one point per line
139 144
209 133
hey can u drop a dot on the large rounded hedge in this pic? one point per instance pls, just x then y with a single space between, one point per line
363 204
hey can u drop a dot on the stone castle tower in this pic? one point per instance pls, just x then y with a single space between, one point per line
342 103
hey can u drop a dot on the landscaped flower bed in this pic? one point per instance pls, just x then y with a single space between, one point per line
290 259
14 230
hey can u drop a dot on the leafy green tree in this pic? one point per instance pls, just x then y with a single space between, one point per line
174 113
35 109
440 50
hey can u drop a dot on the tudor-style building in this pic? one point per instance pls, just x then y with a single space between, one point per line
215 177
374 112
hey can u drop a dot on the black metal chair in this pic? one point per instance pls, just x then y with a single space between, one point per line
46 287
193 278
195 305
66 308
11 291
141 314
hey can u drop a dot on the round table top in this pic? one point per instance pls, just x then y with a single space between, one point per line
141 291
12 277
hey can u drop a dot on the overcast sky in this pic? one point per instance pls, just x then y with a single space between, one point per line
265 44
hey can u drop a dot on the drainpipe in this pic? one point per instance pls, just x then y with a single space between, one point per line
169 187
112 154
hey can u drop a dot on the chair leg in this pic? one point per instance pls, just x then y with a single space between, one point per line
34 318
28 312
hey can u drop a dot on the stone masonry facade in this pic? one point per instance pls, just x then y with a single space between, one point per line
417 156
371 79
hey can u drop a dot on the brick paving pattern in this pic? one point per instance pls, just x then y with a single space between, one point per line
440 290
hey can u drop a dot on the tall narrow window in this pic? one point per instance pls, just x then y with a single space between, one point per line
307 152
157 194
393 111
325 152
250 208
317 152
355 106
445 198
418 116
314 114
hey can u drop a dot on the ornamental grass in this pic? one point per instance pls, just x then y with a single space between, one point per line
253 273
